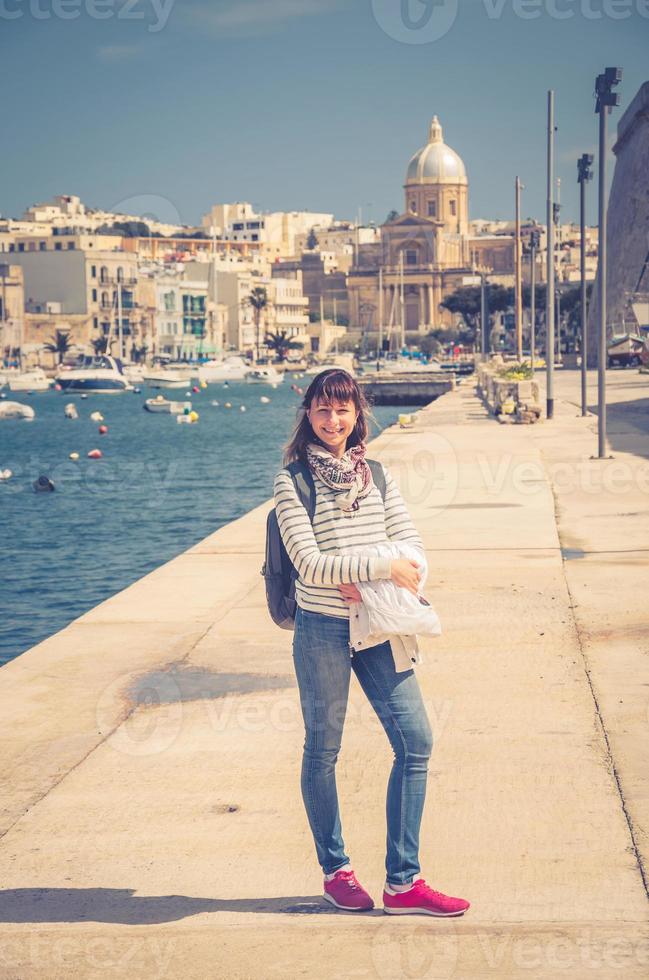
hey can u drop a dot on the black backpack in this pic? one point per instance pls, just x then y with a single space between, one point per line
278 570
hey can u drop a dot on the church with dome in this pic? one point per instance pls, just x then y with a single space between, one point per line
427 252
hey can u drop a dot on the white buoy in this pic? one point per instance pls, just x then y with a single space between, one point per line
96 416
70 411
5 474
264 399
242 408
227 405
215 403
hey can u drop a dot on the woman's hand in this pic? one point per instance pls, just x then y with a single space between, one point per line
350 593
405 572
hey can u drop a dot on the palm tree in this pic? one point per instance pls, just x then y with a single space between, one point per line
258 300
281 344
59 344
100 345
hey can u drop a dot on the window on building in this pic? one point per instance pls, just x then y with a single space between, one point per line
71 246
21 247
432 209
238 226
93 271
32 246
413 207
42 246
95 322
411 256
104 300
120 274
453 207
58 246
103 274
94 295
12 247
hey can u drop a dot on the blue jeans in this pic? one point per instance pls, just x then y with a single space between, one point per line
323 665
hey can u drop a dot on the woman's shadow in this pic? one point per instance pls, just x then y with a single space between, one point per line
122 905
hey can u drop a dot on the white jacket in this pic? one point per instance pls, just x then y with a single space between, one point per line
389 612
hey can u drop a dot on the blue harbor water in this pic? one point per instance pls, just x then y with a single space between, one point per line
159 488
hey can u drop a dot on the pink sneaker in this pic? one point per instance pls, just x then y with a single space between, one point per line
344 892
421 898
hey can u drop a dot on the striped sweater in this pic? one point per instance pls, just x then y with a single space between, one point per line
318 551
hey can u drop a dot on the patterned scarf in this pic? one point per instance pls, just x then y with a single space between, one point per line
350 476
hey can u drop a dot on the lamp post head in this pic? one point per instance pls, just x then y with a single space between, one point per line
604 84
584 164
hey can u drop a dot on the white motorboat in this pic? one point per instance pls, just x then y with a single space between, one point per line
265 375
94 374
33 380
15 410
233 367
161 405
407 365
167 378
134 373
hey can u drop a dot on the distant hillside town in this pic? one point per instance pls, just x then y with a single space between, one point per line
253 282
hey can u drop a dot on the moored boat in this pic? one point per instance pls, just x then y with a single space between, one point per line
264 375
160 404
98 374
32 380
233 367
15 410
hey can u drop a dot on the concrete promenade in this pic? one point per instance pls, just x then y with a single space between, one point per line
151 823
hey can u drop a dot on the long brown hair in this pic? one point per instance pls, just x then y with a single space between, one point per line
332 385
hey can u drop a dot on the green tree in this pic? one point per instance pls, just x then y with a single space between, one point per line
281 344
59 344
392 215
465 301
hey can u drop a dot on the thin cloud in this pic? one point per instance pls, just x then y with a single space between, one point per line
252 16
118 52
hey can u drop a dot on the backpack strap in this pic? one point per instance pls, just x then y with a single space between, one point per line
304 485
378 475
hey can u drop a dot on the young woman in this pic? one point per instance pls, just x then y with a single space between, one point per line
330 437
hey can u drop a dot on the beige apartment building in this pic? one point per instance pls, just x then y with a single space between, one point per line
80 284
274 233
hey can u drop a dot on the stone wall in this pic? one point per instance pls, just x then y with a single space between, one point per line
628 217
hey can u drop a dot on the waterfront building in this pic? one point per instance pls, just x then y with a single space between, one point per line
324 285
428 251
274 233
12 304
81 280
339 239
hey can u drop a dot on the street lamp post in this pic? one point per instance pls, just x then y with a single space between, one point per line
518 301
534 244
584 174
484 315
549 300
606 99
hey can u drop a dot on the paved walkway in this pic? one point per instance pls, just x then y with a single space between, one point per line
151 820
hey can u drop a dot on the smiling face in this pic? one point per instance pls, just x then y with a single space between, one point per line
333 423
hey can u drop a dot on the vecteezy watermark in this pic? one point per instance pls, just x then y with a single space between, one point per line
154 12
415 21
425 21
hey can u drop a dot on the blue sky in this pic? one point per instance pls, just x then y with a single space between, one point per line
168 106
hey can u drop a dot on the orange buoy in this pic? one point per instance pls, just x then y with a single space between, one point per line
95 454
